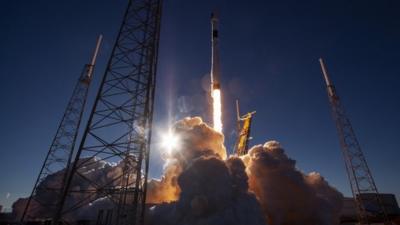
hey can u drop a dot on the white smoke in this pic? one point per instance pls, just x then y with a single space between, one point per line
286 194
201 185
213 191
100 171
207 187
196 139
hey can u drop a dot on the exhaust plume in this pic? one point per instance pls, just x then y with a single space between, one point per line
286 195
215 75
209 189
201 185
213 192
193 133
101 171
217 109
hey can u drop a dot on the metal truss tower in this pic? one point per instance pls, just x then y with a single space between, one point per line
370 207
45 196
119 126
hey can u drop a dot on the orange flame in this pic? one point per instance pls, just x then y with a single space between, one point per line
217 109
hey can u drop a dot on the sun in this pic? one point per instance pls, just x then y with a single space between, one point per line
170 141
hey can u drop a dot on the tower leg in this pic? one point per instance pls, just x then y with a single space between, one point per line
119 126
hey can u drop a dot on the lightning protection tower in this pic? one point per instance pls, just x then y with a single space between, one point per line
45 196
366 196
119 126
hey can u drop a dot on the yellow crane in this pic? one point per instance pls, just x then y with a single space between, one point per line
243 127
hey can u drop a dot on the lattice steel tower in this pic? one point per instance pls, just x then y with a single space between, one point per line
119 126
45 196
366 196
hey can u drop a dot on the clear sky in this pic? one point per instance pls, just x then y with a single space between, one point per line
269 58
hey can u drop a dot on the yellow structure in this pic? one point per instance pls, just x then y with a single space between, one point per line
244 125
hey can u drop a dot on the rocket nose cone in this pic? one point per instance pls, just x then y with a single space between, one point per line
214 15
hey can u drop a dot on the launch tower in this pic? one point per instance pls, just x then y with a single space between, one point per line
363 187
59 156
119 126
119 130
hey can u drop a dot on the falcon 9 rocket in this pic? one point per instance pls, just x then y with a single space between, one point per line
215 75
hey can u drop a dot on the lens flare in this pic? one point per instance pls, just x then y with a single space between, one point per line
217 109
170 141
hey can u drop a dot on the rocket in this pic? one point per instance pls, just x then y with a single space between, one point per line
215 72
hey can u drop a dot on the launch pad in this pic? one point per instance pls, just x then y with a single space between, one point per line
109 173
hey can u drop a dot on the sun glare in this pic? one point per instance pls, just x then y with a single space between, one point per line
170 141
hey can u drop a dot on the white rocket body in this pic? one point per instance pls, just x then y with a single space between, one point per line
215 75
215 70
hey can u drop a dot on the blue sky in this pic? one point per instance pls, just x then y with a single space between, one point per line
269 59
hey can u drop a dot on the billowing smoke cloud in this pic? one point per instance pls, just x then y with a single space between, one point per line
209 189
47 191
196 139
287 195
200 185
214 192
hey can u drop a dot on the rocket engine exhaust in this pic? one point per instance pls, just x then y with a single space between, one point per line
215 72
217 109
